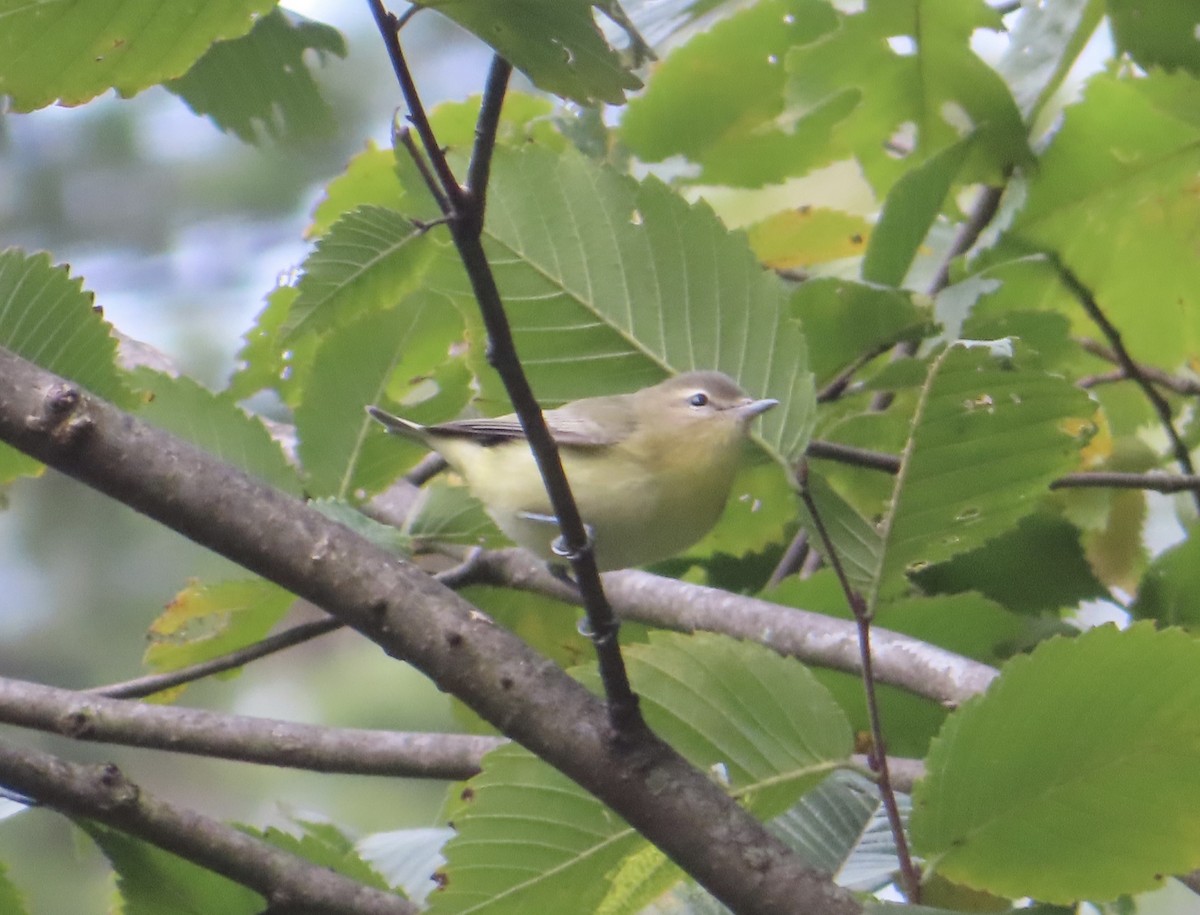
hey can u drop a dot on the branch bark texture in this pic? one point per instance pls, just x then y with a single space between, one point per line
102 793
414 619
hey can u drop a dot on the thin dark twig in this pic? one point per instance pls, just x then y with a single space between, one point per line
480 169
982 213
156 683
404 18
1085 298
968 233
910 879
404 136
467 210
577 546
1153 481
1087 382
858 457
838 385
1189 387
388 26
792 559
426 469
272 644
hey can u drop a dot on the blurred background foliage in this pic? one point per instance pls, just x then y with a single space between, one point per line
181 230
840 139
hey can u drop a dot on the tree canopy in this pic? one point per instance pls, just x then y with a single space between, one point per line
956 241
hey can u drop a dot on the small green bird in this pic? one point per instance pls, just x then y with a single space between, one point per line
650 471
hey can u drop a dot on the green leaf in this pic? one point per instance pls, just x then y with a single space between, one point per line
11 900
371 258
263 360
343 450
550 626
406 858
733 73
1043 44
912 205
937 89
1087 746
260 83
797 239
71 52
1113 196
530 840
323 844
1157 35
443 513
1036 567
382 535
762 504
966 624
205 621
842 828
855 540
46 317
556 43
1170 589
990 433
151 881
853 320
371 179
610 285
216 424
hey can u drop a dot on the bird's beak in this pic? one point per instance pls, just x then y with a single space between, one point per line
753 408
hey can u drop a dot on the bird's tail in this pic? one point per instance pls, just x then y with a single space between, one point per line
397 425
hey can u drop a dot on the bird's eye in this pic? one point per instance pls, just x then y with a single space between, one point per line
699 399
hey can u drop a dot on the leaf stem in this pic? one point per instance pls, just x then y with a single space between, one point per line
910 879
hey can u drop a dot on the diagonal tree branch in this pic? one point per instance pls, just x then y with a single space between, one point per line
465 210
353 751
102 793
814 638
1154 480
280 641
316 748
415 619
1125 360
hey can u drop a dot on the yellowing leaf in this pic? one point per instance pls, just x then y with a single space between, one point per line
799 238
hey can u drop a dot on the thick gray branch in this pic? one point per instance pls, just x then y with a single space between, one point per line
417 620
900 660
103 794
354 751
349 751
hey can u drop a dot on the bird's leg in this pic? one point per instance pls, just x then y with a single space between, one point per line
558 547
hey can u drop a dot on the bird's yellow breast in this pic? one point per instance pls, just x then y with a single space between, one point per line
642 504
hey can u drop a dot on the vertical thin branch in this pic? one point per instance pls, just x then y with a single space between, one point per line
404 138
910 880
466 219
1085 298
968 233
389 29
485 130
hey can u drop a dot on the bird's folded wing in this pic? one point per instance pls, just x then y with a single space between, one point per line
566 428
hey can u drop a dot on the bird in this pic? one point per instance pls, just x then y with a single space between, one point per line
650 471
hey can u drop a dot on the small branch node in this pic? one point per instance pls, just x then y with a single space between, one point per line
118 790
